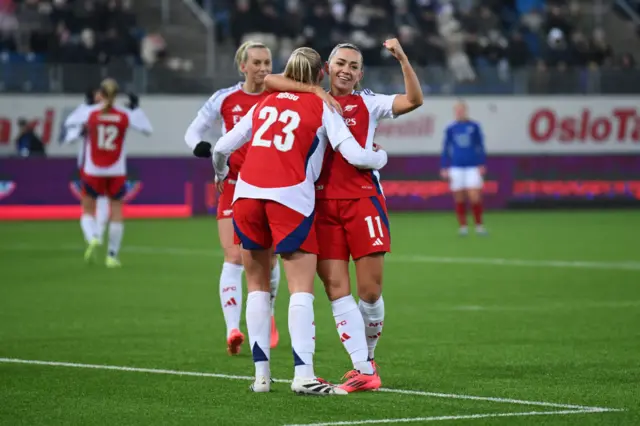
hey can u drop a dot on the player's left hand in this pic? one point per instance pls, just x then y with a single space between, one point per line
482 170
393 46
329 100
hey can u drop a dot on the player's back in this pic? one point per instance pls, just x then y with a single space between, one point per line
284 149
106 131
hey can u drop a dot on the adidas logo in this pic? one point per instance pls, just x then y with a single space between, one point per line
344 337
350 108
237 108
231 302
378 242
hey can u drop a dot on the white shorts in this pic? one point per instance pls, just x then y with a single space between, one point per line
465 178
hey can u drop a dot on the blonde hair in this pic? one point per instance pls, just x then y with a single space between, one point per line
304 65
352 47
242 54
108 89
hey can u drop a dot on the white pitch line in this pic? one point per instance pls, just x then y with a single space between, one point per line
460 417
248 378
399 258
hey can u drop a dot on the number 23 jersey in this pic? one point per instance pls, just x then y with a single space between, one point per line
289 133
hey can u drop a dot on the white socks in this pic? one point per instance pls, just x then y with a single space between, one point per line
231 295
88 226
102 215
116 229
302 329
259 329
373 316
351 330
275 282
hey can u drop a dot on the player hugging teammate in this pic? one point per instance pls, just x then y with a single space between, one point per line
345 217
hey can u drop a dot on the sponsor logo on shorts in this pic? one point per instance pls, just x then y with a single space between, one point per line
227 212
378 242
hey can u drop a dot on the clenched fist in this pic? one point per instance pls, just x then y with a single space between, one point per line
393 46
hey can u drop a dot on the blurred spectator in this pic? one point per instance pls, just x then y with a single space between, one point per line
602 52
27 143
75 31
627 61
518 53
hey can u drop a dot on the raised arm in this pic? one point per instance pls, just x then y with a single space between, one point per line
412 98
343 141
72 134
78 117
139 121
230 142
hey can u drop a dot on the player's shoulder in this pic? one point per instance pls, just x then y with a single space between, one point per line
364 92
219 95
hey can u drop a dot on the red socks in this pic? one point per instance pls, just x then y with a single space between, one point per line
461 212
477 213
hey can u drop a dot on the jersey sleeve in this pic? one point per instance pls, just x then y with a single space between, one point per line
207 115
343 141
334 127
72 134
78 117
139 121
231 141
380 106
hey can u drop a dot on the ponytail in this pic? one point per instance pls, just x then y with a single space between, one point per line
109 90
304 65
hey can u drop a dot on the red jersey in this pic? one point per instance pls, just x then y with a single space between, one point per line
289 133
340 180
230 105
106 130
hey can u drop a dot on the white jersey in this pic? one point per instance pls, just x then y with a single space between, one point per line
105 154
74 133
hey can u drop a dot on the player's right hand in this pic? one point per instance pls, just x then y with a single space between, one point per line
329 100
444 174
134 101
202 150
220 185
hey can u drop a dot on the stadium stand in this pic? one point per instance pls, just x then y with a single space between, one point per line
459 46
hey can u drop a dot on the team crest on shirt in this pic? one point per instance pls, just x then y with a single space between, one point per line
133 186
349 108
7 187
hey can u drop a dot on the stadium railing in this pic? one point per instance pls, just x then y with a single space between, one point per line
37 77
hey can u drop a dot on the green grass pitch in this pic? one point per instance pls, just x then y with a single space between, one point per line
544 309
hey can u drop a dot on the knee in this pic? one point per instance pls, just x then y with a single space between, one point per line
336 288
370 291
232 255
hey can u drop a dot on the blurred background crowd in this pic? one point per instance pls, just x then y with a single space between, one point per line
464 40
